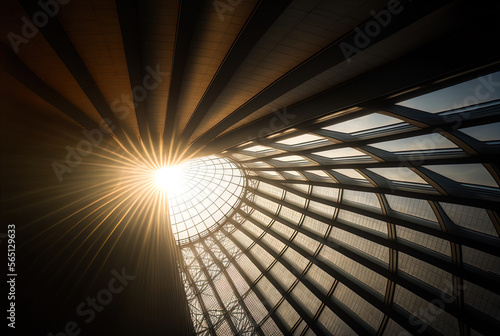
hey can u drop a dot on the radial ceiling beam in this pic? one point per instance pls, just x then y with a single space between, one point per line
263 16
56 36
130 29
17 69
327 58
188 12
433 61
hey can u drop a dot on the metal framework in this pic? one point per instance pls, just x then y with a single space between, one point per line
329 243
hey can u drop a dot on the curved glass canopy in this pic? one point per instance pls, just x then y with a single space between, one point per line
346 219
206 191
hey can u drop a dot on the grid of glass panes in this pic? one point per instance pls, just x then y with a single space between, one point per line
210 189
314 214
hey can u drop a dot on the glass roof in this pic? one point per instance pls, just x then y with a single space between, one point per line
208 190
314 233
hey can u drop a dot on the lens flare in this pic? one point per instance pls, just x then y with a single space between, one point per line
169 178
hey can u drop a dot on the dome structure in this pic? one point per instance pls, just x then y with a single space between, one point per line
252 167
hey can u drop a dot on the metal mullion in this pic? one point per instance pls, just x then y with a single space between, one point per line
233 287
400 162
391 110
197 293
393 261
480 242
400 280
423 289
249 283
318 330
366 292
355 143
456 256
483 203
350 319
479 277
214 290
354 209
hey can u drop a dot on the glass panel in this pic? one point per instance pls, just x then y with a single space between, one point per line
314 225
418 143
370 248
359 306
320 278
423 271
306 299
476 219
318 173
436 244
393 328
288 314
365 198
290 158
367 122
326 193
426 312
259 149
411 206
364 221
350 173
340 153
321 209
481 260
482 299
270 293
270 328
473 173
281 274
304 139
472 92
490 132
398 174
334 324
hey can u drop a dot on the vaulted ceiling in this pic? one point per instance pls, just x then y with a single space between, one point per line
201 72
169 81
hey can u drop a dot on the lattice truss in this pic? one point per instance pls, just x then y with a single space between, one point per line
378 220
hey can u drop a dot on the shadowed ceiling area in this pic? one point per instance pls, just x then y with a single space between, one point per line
337 166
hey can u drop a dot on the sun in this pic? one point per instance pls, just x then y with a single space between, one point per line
169 178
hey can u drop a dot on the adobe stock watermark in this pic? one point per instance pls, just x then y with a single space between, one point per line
485 88
93 305
121 108
371 29
223 6
428 314
281 119
48 9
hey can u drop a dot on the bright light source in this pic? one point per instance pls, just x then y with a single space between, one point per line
169 178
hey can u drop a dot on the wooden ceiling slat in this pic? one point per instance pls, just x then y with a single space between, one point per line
315 65
62 45
263 16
